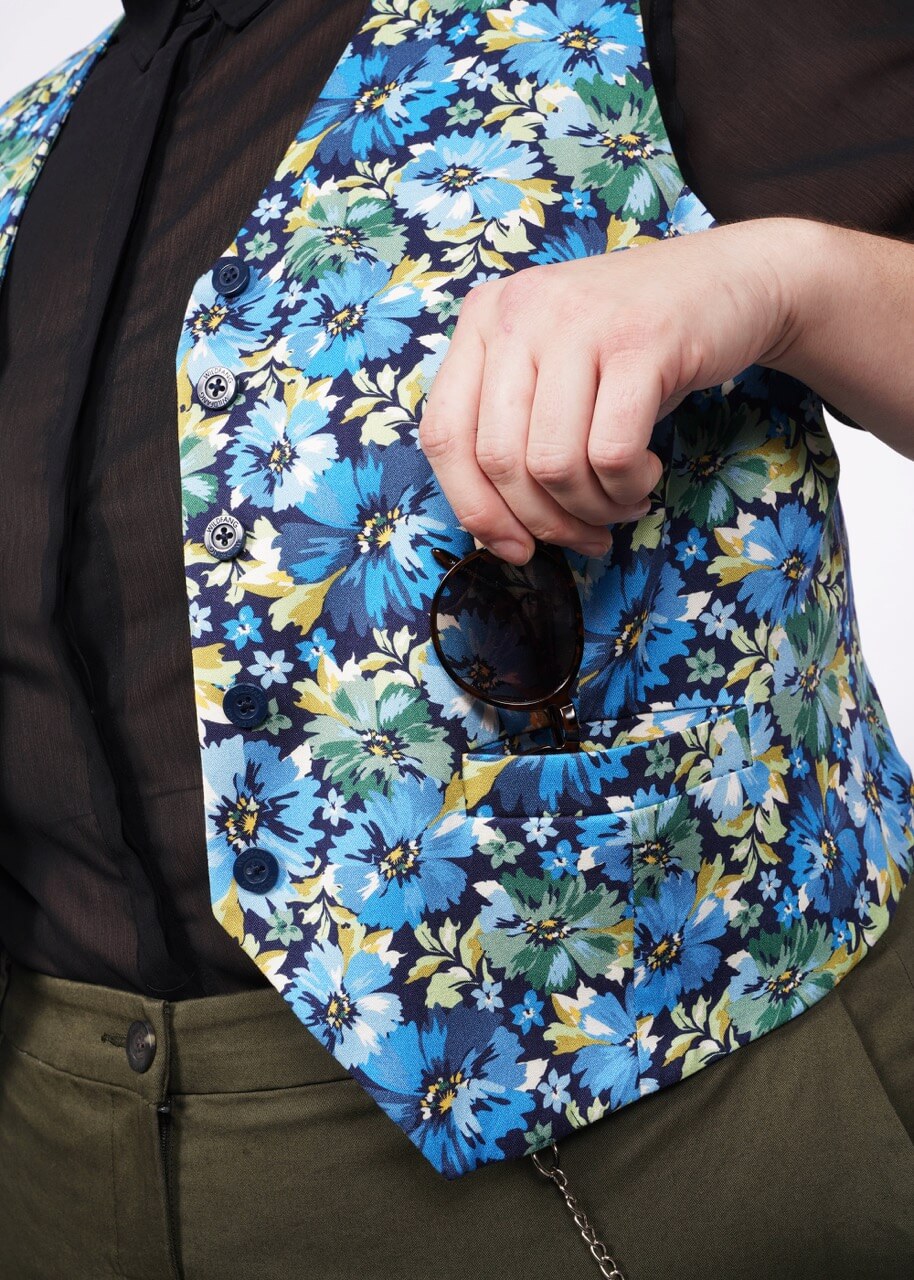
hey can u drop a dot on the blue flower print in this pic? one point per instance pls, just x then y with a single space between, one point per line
488 995
842 933
686 215
535 783
318 646
539 831
467 27
607 838
271 208
199 619
608 1059
675 950
788 908
372 525
277 454
460 178
727 793
769 883
692 548
784 551
640 628
244 628
529 1013
581 240
580 203
256 800
862 901
781 974
694 708
575 38
560 859
270 668
869 800
477 718
219 330
731 781
482 76
719 620
555 1090
350 319
343 1001
455 1085
395 865
372 104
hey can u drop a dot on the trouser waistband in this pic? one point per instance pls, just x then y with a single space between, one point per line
236 1043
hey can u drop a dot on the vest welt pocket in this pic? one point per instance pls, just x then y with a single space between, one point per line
664 752
563 848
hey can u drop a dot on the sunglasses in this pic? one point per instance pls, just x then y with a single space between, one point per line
512 635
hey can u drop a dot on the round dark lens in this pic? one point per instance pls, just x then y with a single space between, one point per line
510 632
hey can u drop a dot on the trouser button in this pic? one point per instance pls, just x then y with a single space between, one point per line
141 1045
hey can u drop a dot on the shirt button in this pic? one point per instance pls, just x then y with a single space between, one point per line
216 387
231 276
256 871
224 537
141 1045
245 705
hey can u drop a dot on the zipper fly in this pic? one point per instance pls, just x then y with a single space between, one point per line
165 1122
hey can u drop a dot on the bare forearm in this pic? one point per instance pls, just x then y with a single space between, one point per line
591 353
851 336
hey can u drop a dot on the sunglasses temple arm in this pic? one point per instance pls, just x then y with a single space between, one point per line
445 558
565 725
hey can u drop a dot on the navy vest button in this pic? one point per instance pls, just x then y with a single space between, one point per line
141 1045
256 871
223 537
216 387
231 276
245 705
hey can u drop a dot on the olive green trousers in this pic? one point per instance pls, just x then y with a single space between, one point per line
244 1151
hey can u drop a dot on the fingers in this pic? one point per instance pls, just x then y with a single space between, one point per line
627 404
510 390
447 436
561 423
532 439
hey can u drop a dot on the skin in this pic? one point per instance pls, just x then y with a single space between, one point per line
539 419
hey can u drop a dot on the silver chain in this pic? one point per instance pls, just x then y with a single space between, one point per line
556 1174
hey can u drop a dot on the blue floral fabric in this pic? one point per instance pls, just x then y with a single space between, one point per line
502 947
29 123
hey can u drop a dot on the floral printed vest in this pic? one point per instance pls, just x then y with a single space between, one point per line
501 946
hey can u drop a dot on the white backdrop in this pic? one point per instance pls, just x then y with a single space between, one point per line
876 483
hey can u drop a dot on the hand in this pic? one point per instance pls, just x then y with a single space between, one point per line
539 419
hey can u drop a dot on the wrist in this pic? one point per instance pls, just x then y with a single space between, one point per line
801 258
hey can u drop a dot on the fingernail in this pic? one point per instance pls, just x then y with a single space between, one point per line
596 550
514 552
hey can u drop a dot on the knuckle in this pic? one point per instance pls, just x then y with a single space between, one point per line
478 298
519 295
497 460
555 531
553 468
612 457
630 333
479 519
436 436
